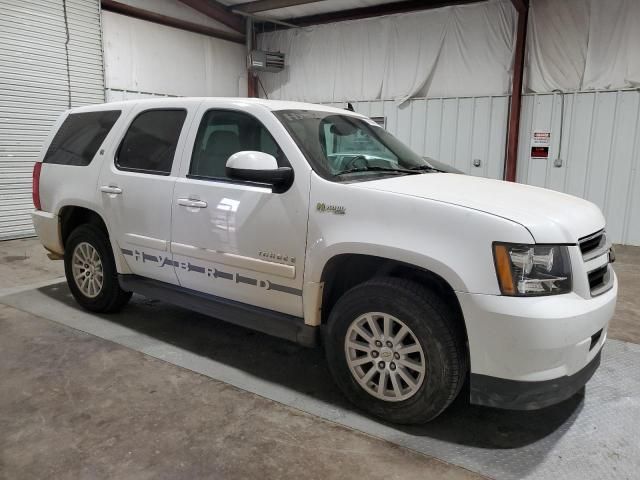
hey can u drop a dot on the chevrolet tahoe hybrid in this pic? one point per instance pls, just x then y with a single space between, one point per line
316 225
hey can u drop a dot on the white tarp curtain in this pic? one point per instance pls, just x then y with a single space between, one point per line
447 52
583 45
145 56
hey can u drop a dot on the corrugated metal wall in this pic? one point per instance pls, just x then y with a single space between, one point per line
454 130
600 144
599 152
35 87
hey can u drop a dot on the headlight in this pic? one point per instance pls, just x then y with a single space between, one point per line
530 270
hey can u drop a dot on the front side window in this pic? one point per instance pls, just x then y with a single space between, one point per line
223 133
80 137
345 147
150 143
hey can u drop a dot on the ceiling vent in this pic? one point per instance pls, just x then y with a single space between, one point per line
261 61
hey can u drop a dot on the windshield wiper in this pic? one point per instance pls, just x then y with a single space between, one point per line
376 169
424 168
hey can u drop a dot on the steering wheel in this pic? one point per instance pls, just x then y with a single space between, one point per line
351 162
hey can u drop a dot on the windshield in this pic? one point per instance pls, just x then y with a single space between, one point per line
344 147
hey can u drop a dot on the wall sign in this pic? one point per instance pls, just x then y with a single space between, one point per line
540 143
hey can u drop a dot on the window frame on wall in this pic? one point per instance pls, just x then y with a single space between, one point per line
282 159
128 129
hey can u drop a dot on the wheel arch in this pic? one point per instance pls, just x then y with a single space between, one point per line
344 271
72 216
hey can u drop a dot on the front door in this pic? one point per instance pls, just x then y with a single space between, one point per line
235 239
137 187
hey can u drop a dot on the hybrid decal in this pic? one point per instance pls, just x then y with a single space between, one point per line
214 273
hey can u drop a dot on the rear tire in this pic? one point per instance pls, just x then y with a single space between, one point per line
91 271
411 374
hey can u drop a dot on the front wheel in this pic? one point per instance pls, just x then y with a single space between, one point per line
91 271
396 350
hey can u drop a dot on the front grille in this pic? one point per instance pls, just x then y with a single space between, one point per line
599 280
593 245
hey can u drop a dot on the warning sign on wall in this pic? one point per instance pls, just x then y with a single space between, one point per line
540 143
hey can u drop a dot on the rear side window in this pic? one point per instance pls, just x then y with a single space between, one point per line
80 137
150 143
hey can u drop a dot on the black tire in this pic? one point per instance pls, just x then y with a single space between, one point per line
435 326
111 298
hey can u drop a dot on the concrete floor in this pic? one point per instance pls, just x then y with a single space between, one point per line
73 405
626 322
24 262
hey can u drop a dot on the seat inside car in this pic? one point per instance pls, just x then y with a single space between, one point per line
220 146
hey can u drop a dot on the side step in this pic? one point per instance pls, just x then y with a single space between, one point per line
266 321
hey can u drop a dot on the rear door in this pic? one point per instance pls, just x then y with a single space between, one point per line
136 186
236 239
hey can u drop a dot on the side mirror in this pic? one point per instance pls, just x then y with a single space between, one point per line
258 167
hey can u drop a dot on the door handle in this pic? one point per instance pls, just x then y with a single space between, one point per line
111 189
188 202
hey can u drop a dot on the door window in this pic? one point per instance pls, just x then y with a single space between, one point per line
79 137
223 133
150 143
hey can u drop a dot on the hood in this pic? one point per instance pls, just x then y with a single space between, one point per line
550 216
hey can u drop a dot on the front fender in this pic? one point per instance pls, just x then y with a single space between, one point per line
324 255
449 240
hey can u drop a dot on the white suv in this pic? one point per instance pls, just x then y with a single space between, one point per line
296 219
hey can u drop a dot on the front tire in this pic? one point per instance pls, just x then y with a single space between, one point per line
91 271
396 350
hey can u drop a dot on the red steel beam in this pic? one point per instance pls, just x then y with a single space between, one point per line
252 79
258 6
217 11
128 10
521 5
252 86
373 11
516 98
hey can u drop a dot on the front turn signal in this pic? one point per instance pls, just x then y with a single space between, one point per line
503 269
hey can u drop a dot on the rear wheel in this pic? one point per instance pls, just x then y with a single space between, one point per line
396 350
91 271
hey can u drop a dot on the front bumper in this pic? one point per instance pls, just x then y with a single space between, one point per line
517 395
534 346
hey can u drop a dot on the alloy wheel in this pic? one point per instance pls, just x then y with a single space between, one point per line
385 357
87 270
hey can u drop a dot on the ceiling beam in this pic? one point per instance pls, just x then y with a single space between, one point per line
375 11
258 6
217 11
139 13
262 20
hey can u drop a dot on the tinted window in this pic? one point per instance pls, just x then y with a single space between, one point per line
223 133
150 143
80 137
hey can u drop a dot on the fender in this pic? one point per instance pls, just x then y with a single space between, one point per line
121 264
319 259
312 293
